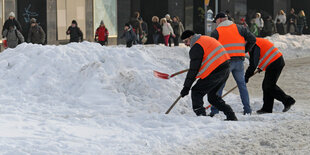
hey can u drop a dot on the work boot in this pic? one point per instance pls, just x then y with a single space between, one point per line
287 106
231 117
261 111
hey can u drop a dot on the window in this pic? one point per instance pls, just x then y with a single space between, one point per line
106 10
68 10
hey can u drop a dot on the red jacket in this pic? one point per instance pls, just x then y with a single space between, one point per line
102 33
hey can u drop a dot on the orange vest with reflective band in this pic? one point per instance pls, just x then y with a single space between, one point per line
214 55
232 41
268 53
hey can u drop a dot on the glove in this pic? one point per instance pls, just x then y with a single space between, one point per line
259 70
185 91
246 78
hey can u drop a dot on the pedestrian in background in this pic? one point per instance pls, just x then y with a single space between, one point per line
75 32
301 22
259 22
254 28
36 35
176 29
280 20
243 23
129 35
145 30
169 20
156 29
13 36
267 30
11 21
291 22
167 30
102 34
136 25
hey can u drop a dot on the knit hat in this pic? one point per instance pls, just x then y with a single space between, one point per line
12 14
186 34
74 22
127 24
101 22
219 15
33 20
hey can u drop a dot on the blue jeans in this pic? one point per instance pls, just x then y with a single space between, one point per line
237 70
155 38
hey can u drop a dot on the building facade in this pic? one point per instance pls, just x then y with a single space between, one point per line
55 16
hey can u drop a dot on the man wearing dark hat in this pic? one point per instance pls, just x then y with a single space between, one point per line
236 40
75 32
36 34
209 63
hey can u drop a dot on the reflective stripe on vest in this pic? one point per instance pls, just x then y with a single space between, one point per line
214 55
232 41
268 53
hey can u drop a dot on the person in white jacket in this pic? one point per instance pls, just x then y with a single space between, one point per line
259 22
167 30
280 20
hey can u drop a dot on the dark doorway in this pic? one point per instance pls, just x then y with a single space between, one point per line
302 5
199 16
153 8
265 7
28 9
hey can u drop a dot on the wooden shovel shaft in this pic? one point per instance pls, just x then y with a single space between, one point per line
175 102
180 72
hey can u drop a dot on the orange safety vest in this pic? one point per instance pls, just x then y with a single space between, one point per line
268 53
214 55
232 41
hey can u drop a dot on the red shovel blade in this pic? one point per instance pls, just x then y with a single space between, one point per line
161 75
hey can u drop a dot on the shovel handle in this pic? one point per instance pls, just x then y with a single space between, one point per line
177 73
175 102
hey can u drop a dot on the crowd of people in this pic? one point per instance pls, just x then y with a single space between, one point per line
282 23
167 29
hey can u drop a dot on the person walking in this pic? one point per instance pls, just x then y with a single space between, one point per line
280 20
13 36
11 21
145 30
266 57
156 29
254 28
291 22
102 34
129 35
259 22
209 63
169 20
176 29
267 30
75 32
301 22
243 23
234 38
167 30
136 26
36 35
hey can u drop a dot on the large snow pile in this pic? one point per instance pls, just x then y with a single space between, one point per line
293 46
88 99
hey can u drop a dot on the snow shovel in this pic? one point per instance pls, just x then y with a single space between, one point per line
207 107
167 76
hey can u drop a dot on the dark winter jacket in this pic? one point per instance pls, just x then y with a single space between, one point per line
144 28
156 28
129 35
196 55
136 25
291 19
302 20
36 35
254 60
13 37
268 25
176 28
248 36
12 22
102 33
76 34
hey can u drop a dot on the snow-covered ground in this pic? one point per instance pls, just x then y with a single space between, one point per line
88 99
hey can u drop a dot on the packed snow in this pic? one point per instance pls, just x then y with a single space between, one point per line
84 98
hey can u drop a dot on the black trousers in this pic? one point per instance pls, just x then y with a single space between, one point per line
129 44
176 40
271 90
102 42
210 86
